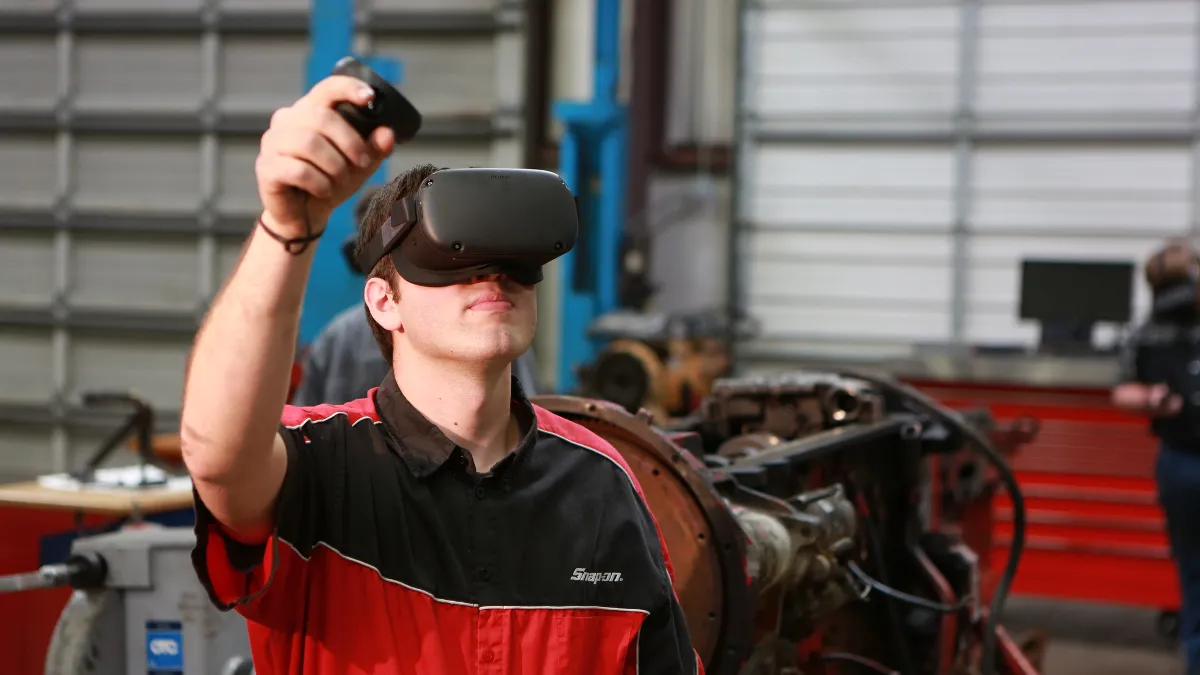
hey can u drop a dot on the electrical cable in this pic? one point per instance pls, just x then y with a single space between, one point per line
1016 497
872 521
917 601
870 664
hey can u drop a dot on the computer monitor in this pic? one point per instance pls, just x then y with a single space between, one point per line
1069 296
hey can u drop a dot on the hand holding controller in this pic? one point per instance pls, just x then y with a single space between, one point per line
389 108
319 150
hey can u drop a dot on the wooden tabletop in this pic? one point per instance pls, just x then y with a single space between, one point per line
105 500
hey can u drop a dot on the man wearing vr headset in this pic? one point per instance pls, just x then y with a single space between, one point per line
1161 379
442 524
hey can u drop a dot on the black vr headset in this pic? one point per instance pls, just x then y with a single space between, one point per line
468 223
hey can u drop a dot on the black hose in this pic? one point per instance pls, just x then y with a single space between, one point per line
984 446
80 571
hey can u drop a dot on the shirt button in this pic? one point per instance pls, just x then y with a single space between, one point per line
1194 367
488 656
479 492
484 574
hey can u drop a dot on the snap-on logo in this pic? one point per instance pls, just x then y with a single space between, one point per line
164 647
581 574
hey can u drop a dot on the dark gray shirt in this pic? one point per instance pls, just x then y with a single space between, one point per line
344 363
1167 353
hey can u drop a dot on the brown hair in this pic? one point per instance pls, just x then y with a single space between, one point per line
376 213
1177 261
363 205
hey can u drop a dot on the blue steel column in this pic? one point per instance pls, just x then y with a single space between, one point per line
331 286
592 161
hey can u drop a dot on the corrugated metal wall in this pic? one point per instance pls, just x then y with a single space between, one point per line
128 131
897 160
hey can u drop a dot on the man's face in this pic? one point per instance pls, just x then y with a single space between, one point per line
487 319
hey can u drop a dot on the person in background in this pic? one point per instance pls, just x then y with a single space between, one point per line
1160 378
345 362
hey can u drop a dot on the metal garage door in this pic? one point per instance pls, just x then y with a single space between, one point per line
128 131
897 160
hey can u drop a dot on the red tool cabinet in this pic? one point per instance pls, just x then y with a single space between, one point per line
1095 531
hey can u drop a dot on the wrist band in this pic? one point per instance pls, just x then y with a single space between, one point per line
295 245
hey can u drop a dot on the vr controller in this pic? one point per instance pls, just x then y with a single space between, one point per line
468 223
389 108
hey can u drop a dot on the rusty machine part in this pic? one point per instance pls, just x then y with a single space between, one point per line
747 445
706 544
664 363
668 377
788 507
787 406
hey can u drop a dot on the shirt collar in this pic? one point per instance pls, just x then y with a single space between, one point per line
423 446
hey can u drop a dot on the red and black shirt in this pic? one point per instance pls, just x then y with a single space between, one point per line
392 554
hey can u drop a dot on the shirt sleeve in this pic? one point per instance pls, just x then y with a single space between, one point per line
236 573
663 644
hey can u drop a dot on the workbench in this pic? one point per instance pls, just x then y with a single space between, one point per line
1095 531
37 525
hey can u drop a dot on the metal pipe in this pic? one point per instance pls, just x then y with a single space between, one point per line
647 102
592 156
539 38
647 118
828 442
81 571
1194 214
735 303
964 160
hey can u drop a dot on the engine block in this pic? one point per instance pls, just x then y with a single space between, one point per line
775 498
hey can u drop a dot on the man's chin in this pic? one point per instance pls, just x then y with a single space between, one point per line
499 345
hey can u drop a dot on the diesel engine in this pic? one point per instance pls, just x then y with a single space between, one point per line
810 529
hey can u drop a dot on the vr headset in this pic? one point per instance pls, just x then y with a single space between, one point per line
468 223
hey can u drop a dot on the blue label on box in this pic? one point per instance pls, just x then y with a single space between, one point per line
164 647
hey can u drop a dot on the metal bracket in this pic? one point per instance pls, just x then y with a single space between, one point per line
592 162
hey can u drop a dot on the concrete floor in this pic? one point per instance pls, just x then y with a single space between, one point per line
1095 639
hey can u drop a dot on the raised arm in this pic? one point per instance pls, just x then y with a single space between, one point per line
309 162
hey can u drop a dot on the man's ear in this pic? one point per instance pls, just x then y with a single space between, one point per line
382 303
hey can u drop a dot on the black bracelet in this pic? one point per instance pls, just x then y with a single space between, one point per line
295 245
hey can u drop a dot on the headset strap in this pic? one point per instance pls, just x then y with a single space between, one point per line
390 234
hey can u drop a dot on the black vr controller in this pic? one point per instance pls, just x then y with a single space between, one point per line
468 223
389 108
